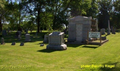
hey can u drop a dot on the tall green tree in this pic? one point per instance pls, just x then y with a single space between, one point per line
3 11
93 10
116 14
105 8
79 7
58 9
35 8
14 15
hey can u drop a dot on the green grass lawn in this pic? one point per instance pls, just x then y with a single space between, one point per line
33 57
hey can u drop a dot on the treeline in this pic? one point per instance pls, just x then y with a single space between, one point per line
52 14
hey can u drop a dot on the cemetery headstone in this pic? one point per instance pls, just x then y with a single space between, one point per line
45 39
113 30
2 41
13 43
78 28
27 38
102 31
21 44
4 33
56 41
108 32
17 34
19 37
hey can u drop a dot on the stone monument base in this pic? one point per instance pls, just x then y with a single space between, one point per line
57 47
28 40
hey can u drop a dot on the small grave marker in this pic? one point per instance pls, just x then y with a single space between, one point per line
27 38
113 30
102 31
13 43
21 44
2 41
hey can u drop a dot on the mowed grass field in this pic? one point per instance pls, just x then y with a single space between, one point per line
33 57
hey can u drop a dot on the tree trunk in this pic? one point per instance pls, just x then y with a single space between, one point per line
0 25
38 19
54 23
38 23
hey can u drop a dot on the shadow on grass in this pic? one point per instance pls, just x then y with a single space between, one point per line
48 51
42 43
94 47
110 67
73 45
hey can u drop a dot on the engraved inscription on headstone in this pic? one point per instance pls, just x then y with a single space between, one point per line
54 40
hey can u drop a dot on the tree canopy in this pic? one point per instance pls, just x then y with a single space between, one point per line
52 14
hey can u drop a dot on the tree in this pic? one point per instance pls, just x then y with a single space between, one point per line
2 12
93 10
105 8
46 20
58 9
35 7
79 7
116 14
14 15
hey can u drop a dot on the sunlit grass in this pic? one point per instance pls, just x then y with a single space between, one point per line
33 57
